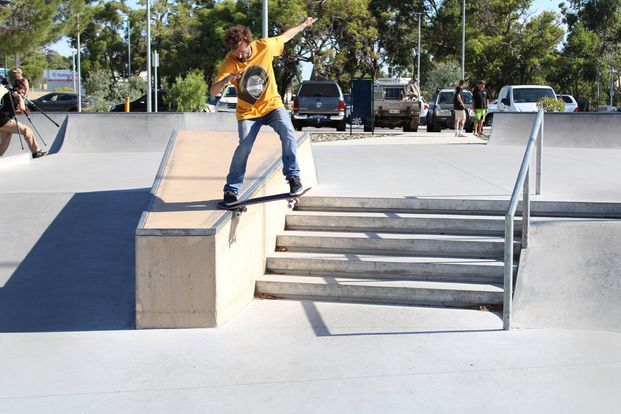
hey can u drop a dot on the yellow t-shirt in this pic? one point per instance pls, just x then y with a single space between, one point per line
257 93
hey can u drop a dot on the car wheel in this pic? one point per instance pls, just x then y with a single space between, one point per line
341 126
489 118
435 126
356 120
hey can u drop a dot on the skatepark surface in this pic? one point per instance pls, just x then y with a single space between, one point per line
67 291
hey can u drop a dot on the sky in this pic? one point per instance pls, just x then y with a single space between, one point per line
62 46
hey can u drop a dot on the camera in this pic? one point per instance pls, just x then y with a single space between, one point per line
5 82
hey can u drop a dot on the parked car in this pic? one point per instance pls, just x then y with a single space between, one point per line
522 98
319 103
492 107
424 108
58 102
441 112
140 104
570 103
228 100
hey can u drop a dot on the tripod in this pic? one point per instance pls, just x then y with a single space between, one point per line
8 91
30 104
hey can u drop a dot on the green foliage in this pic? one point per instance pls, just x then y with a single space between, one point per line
133 87
441 75
98 85
64 89
551 104
188 94
505 44
30 24
56 61
104 91
32 65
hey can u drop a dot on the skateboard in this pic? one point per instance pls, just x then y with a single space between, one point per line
240 206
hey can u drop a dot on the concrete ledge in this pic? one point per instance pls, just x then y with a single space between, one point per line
561 129
461 206
196 265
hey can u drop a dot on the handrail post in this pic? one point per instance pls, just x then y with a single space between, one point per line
539 156
508 273
526 210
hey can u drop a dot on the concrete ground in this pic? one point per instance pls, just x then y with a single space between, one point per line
305 357
68 345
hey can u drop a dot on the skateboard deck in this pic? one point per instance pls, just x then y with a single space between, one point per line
241 204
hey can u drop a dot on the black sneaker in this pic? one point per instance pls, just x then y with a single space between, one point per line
39 154
230 198
295 186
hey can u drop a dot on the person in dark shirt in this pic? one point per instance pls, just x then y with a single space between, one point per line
479 97
460 109
12 103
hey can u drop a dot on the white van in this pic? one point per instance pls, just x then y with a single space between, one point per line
522 98
228 101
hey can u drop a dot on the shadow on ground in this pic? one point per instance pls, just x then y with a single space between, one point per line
80 275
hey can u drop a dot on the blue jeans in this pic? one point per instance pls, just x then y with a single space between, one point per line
248 129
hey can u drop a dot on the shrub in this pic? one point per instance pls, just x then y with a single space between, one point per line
188 94
551 104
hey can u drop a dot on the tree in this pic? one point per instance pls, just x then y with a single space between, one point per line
442 75
30 24
188 94
593 45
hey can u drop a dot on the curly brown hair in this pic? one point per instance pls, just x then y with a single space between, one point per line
237 34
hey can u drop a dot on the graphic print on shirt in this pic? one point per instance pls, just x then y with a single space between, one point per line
252 84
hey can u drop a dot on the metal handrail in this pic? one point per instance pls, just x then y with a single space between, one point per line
522 182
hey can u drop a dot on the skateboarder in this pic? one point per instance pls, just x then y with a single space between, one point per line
248 66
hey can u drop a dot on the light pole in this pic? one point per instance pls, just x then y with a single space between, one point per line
79 80
129 50
418 56
73 51
265 12
156 63
612 85
149 82
463 40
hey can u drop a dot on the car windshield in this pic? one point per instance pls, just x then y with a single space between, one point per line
567 99
531 94
319 89
230 92
447 97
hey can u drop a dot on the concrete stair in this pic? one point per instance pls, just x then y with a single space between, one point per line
415 252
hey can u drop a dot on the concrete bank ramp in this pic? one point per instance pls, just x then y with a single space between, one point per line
561 129
569 276
134 132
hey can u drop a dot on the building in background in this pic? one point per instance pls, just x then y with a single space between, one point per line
57 78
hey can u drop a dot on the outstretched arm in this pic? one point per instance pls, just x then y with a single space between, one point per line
291 33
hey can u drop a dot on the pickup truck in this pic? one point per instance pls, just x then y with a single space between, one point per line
319 103
395 104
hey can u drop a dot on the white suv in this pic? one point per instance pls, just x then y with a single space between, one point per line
522 98
570 103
